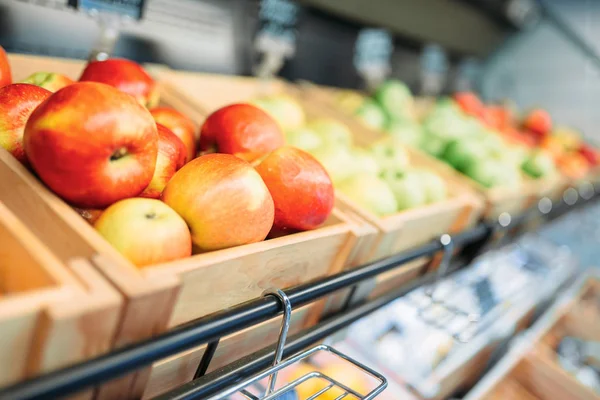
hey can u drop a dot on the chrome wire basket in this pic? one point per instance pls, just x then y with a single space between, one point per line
327 385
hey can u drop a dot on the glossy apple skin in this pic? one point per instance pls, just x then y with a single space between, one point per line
5 74
302 190
170 158
240 128
125 75
145 231
17 102
180 125
92 144
223 200
49 80
538 122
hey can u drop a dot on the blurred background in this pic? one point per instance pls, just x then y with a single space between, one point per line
536 53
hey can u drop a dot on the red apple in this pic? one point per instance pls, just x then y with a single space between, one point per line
538 121
301 188
125 75
590 154
5 75
49 80
17 102
171 157
92 144
470 103
180 125
240 128
145 231
223 200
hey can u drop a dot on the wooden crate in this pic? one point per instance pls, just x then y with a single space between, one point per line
392 234
162 296
52 314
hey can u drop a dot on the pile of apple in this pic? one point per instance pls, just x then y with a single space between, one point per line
460 131
133 170
379 178
534 130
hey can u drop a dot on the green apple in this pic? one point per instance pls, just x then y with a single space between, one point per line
370 192
395 98
485 171
390 153
365 161
435 187
407 132
539 164
433 145
304 138
339 162
461 154
284 109
333 133
407 186
371 114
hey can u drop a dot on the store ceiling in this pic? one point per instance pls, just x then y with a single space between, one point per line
455 25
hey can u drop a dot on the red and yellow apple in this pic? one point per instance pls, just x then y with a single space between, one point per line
17 102
92 144
125 75
170 158
302 190
180 125
5 75
240 128
538 122
49 80
223 200
145 231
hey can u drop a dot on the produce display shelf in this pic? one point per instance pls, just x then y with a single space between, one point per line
211 328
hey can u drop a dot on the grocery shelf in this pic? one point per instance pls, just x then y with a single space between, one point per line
209 329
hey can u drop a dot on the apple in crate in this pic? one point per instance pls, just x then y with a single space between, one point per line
170 158
48 80
180 125
240 128
5 75
407 186
17 102
389 152
223 200
92 144
301 189
145 231
125 75
539 164
370 192
538 122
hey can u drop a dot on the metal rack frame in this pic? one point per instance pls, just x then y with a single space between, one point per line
208 330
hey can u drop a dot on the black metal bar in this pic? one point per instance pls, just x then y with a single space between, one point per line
224 377
207 357
72 379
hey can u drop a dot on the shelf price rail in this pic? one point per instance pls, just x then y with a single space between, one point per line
209 329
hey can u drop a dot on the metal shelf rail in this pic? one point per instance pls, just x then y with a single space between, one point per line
209 329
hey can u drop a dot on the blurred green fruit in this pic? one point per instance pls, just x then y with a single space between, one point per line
390 153
461 154
371 114
365 161
487 172
433 145
407 187
395 98
284 109
333 133
339 162
435 187
539 164
304 138
407 132
370 192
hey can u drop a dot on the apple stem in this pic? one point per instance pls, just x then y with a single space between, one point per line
118 154
151 215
